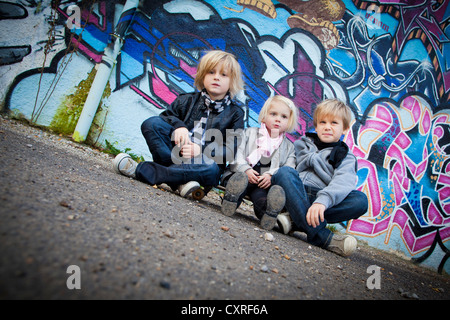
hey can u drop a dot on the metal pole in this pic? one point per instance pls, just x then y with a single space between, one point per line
104 72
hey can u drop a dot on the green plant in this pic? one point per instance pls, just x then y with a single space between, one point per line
332 228
111 149
68 113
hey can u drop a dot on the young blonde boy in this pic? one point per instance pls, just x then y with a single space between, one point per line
322 188
177 138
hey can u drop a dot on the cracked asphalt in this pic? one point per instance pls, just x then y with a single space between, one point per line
62 205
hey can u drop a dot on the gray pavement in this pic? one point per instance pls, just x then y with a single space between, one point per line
62 205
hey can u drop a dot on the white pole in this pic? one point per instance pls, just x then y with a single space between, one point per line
103 73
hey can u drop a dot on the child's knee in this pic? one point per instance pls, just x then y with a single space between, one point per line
216 170
283 173
151 123
360 202
364 202
214 174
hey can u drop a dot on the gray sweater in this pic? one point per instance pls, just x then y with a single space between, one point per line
314 170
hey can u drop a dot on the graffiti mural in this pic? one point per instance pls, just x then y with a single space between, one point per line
387 59
403 168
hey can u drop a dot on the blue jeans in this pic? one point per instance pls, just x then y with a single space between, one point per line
162 169
299 198
157 134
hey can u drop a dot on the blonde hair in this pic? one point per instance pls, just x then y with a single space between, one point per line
292 124
229 64
334 108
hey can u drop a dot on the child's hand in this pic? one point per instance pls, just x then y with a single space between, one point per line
181 136
190 150
253 176
265 181
314 214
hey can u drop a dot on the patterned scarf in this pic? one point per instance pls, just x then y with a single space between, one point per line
198 132
266 145
215 106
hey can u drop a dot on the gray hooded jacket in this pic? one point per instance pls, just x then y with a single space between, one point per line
315 170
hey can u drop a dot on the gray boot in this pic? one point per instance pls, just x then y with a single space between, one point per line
236 186
275 203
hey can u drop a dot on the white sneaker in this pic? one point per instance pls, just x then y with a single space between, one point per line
187 188
284 222
124 164
343 245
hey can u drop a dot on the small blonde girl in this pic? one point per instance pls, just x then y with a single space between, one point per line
261 153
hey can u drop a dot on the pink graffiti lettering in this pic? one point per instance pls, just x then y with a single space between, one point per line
401 196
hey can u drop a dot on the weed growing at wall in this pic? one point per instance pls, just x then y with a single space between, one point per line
111 149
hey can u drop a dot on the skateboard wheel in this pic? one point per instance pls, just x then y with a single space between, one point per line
198 194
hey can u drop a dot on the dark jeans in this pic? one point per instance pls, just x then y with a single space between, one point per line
162 169
299 198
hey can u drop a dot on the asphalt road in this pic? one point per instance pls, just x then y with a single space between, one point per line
61 205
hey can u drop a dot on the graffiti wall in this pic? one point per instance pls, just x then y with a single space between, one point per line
388 59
